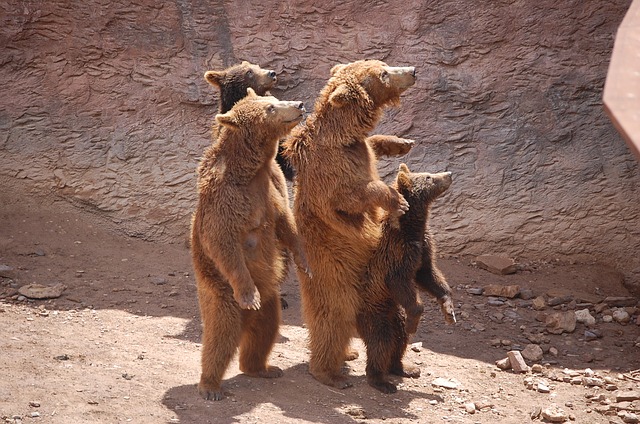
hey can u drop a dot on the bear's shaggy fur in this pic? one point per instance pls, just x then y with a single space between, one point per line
339 203
240 222
391 280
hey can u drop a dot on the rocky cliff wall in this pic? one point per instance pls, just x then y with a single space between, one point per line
104 103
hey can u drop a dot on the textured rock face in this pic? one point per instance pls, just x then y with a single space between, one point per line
106 104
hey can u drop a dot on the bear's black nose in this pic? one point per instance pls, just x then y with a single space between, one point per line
272 74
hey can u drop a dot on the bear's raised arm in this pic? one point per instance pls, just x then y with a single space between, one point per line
389 145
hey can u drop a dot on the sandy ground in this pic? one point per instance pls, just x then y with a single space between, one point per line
122 343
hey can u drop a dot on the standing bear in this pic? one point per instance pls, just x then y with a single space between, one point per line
340 201
233 83
404 252
241 219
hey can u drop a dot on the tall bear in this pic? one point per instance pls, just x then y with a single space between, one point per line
233 83
404 252
240 221
340 201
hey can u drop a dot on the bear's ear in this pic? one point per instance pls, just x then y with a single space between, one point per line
340 96
403 180
336 68
251 93
214 78
245 63
227 119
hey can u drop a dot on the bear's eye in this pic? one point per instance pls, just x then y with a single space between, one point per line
384 75
271 109
249 73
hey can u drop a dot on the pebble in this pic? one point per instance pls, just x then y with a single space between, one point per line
447 383
585 317
517 361
627 396
537 368
476 291
539 303
555 301
470 407
532 352
416 347
554 414
607 318
629 417
553 351
543 388
526 294
592 334
621 316
561 322
503 364
495 302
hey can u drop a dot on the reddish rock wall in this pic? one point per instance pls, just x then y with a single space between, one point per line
104 102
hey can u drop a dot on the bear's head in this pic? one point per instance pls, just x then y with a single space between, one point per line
262 118
370 82
421 187
234 81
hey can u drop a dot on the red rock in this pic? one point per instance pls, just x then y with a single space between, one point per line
517 361
497 265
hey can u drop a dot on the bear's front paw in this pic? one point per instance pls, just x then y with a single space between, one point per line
446 306
248 299
400 147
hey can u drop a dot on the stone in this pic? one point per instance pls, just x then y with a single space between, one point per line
585 317
561 322
607 318
537 368
535 412
6 271
446 383
532 353
553 351
592 334
470 407
476 291
517 361
416 347
497 290
496 264
554 414
542 388
621 316
539 303
620 301
579 296
494 301
526 294
592 381
504 364
39 291
628 396
559 300
629 417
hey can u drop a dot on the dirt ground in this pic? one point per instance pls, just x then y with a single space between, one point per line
122 343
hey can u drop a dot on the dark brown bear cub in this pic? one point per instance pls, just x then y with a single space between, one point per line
233 83
240 223
404 252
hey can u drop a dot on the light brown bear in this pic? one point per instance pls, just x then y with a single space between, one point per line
240 221
404 253
233 83
340 201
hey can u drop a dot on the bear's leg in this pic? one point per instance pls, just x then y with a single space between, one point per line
221 327
378 332
399 340
329 343
259 332
430 279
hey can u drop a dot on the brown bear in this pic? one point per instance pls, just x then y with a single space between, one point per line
233 83
241 219
391 279
340 201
